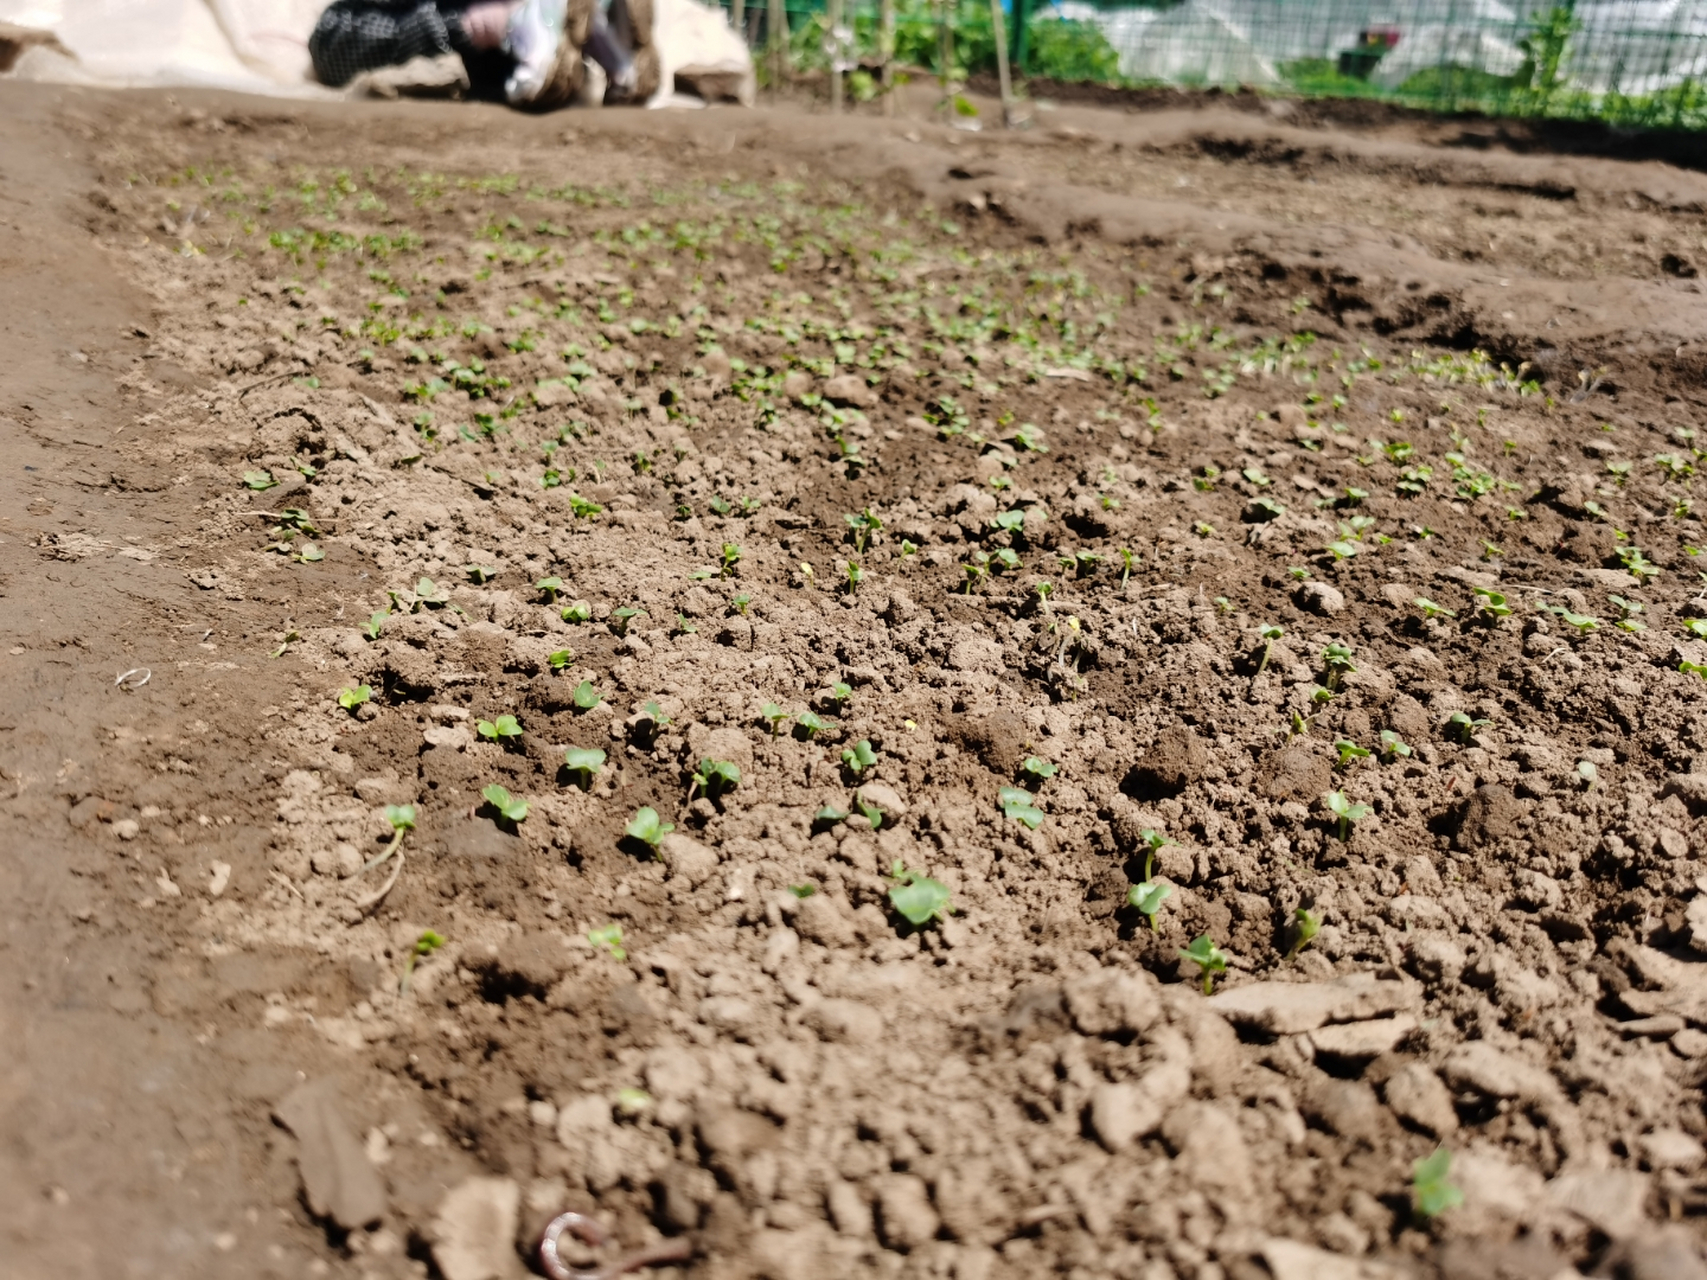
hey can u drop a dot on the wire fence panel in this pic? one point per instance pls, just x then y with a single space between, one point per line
1638 62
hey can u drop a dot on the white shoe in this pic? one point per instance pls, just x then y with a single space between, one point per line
534 40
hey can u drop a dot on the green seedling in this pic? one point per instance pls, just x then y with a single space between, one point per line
855 575
1589 773
582 508
509 807
425 945
502 727
1638 564
774 716
1043 591
1393 746
1006 560
1346 812
549 587
916 897
350 699
1038 769
714 778
1431 1193
646 827
1154 842
402 819
683 626
578 612
656 715
608 938
872 813
632 1102
1209 959
1491 603
738 604
1464 726
586 697
728 559
1009 521
1337 659
841 693
1269 633
812 724
829 816
1305 926
585 761
1126 560
1265 509
1017 804
863 524
1349 752
374 627
429 595
1148 896
620 618
1627 611
1693 668
1321 695
803 891
1432 610
1584 623
1341 550
259 481
480 574
559 659
859 757
1696 627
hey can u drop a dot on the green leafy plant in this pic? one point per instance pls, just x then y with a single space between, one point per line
608 938
502 727
646 827
1154 842
728 559
916 897
1147 896
1269 633
425 945
559 659
811 724
774 716
738 604
1018 804
1305 926
1464 726
509 807
1627 611
479 574
1432 1194
1584 623
578 612
1393 746
586 697
1637 564
429 595
1432 610
402 820
1337 659
1491 603
1349 752
350 699
374 627
1345 812
585 761
259 481
1038 769
862 524
549 587
1209 959
715 777
859 757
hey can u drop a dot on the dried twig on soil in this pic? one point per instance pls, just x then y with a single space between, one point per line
589 1232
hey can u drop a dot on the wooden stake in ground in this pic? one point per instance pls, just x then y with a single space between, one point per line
779 44
945 53
1002 64
738 16
886 52
833 47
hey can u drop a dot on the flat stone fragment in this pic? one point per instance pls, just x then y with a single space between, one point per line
1362 1040
1487 1070
474 1231
337 1177
1289 1260
1290 1008
1415 1094
1610 1200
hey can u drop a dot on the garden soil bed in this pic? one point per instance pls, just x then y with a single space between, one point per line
1003 508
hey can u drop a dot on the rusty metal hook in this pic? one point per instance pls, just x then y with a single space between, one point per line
590 1233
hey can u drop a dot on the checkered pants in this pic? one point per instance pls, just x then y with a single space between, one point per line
353 36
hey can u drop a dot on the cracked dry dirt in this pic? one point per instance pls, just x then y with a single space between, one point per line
995 455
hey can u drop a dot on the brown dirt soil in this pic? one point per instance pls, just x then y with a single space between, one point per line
1359 469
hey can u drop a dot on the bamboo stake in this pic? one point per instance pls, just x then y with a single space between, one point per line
945 51
1002 64
779 43
738 16
833 45
886 52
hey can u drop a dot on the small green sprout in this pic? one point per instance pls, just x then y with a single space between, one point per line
620 618
1209 959
1431 1193
1464 726
1589 773
655 713
1584 623
859 757
841 693
812 724
829 816
714 777
738 604
1154 842
646 827
728 559
1491 603
1017 804
608 938
586 697
502 727
375 625
430 595
1126 560
1337 659
559 659
1006 560
1264 509
1148 896
1305 926
578 612
632 1102
1321 695
585 761
1638 564
917 897
803 891
1627 611
1346 812
1269 633
1009 521
479 574
863 524
583 508
350 699
1349 751
1038 769
508 806
855 575
1341 550
425 945
1432 610
683 626
549 587
1693 668
402 820
774 716
1393 745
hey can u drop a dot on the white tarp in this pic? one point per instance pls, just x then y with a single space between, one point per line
261 46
